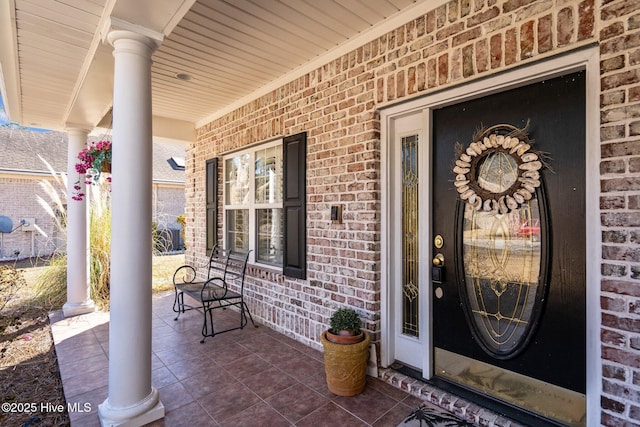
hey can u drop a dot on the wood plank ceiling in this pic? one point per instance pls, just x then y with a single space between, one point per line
229 49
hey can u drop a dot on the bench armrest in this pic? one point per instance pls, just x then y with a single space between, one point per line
184 274
213 289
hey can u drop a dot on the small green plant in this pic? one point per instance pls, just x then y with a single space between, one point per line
182 220
345 319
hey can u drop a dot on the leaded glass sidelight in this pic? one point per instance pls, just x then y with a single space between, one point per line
502 256
410 289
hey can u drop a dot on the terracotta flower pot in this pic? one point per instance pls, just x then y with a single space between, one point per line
345 365
344 338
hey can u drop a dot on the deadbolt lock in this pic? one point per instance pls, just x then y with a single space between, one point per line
438 241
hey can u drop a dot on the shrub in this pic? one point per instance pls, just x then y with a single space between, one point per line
345 319
182 220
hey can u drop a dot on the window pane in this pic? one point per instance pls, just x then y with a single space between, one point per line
237 180
502 258
269 175
238 229
410 264
269 248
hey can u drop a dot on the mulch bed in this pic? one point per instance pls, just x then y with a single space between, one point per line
30 387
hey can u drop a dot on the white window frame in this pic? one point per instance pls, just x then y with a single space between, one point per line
252 206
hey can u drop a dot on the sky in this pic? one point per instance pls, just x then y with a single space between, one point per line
3 116
4 120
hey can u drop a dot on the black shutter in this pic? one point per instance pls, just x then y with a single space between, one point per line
212 203
295 206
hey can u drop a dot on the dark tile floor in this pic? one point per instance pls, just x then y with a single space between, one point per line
254 376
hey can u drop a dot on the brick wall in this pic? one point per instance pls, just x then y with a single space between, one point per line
18 200
168 203
619 37
337 105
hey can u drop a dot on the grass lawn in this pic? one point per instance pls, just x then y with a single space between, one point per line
163 269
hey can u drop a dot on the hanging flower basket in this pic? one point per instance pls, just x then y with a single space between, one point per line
94 160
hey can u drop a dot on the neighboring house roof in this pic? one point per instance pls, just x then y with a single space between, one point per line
19 150
168 162
20 147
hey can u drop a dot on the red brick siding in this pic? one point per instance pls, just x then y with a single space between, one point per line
620 117
337 105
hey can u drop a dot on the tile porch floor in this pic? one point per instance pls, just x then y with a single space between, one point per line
254 376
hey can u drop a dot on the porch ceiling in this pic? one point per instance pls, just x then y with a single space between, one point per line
56 71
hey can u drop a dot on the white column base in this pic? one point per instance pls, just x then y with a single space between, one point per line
145 412
74 309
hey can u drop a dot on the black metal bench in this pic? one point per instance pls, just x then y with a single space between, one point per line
224 267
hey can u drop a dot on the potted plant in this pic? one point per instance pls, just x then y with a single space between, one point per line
94 160
345 327
346 353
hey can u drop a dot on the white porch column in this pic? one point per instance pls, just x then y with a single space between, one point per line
78 277
132 400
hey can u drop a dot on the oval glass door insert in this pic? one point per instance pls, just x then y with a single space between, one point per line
502 254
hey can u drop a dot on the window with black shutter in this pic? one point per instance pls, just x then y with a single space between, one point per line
264 203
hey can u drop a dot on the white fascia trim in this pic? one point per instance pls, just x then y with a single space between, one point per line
169 183
420 8
26 172
9 66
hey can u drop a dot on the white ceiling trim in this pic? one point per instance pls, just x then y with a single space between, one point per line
177 17
88 60
394 21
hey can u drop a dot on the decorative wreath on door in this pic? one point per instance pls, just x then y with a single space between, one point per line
518 170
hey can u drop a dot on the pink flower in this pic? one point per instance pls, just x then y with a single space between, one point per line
92 160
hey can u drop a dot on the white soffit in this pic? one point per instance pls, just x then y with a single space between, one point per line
227 52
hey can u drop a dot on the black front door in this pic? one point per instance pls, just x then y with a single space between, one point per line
509 247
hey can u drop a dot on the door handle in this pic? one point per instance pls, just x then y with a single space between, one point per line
437 271
438 260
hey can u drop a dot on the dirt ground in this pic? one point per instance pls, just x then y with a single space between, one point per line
30 387
30 383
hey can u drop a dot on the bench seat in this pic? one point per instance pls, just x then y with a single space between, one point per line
225 268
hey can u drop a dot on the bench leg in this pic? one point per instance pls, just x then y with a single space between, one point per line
207 313
178 304
208 329
244 310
